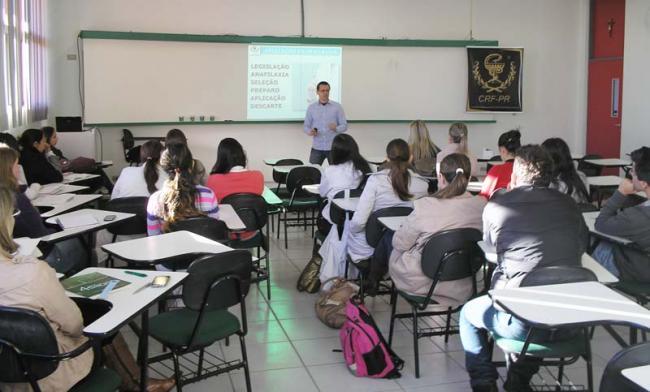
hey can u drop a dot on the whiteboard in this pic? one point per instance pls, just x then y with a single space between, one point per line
139 81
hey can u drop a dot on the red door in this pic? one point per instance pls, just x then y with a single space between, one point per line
604 101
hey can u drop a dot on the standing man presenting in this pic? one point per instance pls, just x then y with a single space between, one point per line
323 120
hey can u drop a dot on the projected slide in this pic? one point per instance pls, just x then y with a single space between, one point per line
282 79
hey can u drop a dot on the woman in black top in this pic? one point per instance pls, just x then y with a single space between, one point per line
32 158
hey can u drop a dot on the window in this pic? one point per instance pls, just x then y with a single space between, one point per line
23 88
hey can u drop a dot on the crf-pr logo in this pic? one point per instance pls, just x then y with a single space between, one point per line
494 65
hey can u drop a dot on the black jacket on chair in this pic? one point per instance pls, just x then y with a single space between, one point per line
533 227
37 168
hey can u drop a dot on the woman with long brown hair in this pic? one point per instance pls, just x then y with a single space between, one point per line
452 207
423 149
179 197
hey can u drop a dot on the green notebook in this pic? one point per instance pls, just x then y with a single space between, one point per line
90 284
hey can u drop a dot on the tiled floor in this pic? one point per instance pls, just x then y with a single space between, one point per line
290 350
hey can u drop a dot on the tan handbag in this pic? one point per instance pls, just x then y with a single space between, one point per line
308 280
330 305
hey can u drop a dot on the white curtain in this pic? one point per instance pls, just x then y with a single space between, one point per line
23 79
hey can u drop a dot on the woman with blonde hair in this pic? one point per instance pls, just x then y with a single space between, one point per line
424 151
458 144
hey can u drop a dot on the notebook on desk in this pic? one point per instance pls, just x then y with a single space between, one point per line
76 220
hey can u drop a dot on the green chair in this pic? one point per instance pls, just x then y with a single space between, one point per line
299 200
29 352
565 346
215 283
448 255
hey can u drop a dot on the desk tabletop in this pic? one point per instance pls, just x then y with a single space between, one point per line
349 204
229 216
126 303
75 231
586 260
604 181
287 169
590 220
639 375
69 178
71 202
392 223
155 249
376 160
474 186
271 198
58 188
312 188
571 304
609 162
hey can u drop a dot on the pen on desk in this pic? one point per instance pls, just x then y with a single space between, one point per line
140 274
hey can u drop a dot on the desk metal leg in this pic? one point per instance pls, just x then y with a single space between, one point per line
143 351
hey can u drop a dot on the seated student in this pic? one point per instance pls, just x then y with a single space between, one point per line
530 226
138 181
566 178
199 175
179 197
10 140
395 186
347 170
449 208
33 159
64 256
34 285
53 154
62 164
632 223
498 177
423 149
229 174
458 143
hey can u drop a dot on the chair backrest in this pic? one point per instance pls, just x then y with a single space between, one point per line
213 229
299 176
558 275
133 205
279 177
205 280
23 331
613 380
495 158
452 254
589 169
250 207
374 228
353 193
586 207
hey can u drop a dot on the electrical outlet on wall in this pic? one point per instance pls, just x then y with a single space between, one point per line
71 57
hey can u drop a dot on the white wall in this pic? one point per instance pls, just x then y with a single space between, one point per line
553 33
636 79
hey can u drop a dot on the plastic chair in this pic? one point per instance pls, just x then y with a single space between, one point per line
633 356
570 343
29 352
495 158
280 178
448 255
215 283
299 200
205 226
132 226
252 210
589 169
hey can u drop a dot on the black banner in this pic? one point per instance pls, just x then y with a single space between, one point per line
494 81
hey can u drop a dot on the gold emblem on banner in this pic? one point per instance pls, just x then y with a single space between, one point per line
495 66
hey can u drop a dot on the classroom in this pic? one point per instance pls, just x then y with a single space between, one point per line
310 195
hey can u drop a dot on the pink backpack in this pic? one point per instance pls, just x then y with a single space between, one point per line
364 348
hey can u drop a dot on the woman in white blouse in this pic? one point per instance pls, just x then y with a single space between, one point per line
347 170
142 181
395 186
